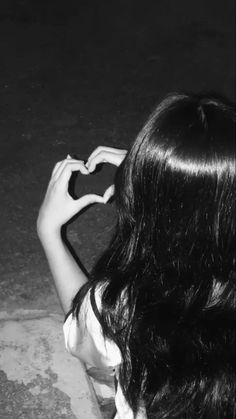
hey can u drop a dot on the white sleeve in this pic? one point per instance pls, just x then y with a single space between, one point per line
84 338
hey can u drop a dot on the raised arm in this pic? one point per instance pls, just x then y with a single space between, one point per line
57 208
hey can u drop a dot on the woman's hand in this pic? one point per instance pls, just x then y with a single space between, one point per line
104 154
58 206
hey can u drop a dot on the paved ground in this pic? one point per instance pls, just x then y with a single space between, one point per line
71 79
37 378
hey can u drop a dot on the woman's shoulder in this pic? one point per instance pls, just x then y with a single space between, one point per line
84 336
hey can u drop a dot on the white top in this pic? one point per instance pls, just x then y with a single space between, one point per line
84 339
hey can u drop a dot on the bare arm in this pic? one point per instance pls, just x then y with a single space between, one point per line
67 275
59 207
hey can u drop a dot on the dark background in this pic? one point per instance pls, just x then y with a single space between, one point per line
77 74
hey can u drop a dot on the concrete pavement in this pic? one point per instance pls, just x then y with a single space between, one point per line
38 378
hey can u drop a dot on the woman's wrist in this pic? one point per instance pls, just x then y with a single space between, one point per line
48 231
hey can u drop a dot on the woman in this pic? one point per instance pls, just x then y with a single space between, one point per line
160 306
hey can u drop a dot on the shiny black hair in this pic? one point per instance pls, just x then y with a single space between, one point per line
168 299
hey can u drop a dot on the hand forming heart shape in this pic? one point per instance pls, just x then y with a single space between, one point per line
58 206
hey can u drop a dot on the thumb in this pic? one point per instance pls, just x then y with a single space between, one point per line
108 193
88 200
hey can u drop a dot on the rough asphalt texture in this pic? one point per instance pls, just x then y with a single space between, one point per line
74 76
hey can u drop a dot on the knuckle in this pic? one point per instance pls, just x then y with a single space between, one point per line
100 149
96 157
101 154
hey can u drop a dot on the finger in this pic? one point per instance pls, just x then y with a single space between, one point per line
64 163
104 148
56 168
102 157
108 193
88 200
70 167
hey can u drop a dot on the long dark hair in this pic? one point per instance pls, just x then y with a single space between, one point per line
168 276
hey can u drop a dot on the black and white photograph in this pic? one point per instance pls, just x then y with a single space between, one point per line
117 209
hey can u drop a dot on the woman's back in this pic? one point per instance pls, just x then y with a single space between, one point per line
169 273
